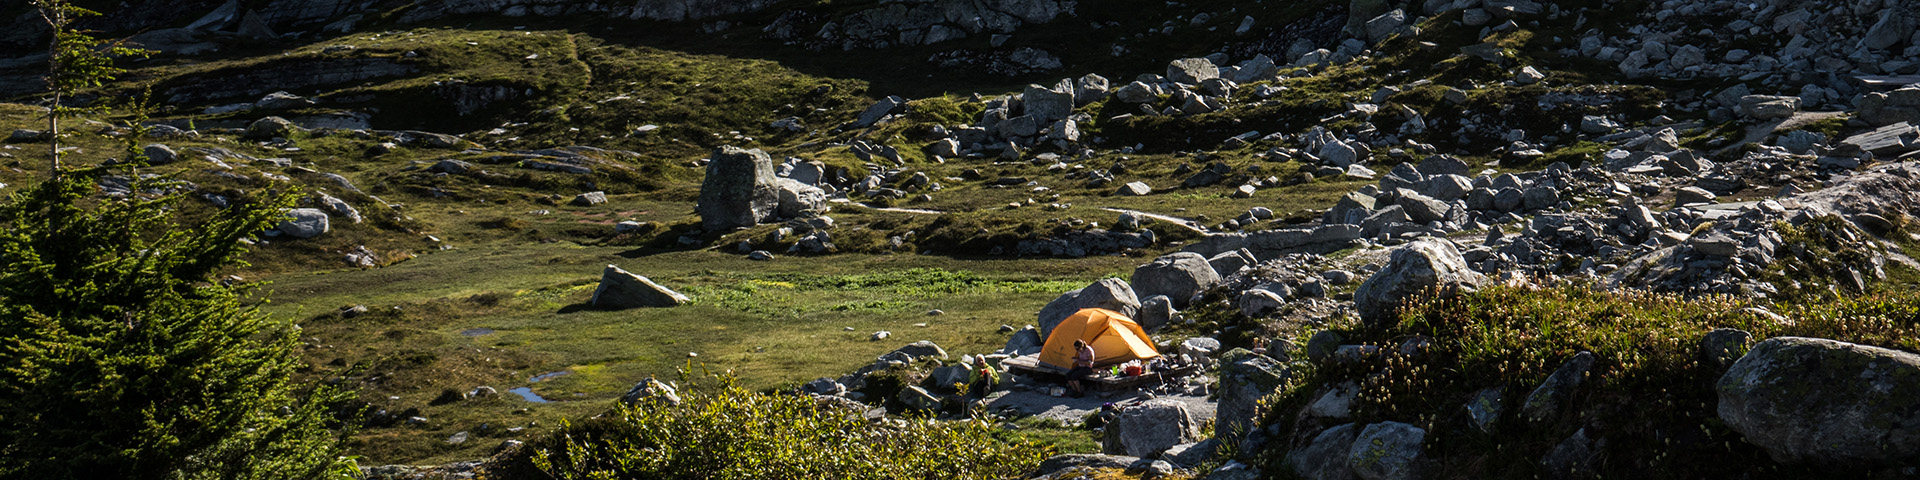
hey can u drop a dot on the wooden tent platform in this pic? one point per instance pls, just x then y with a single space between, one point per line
1030 365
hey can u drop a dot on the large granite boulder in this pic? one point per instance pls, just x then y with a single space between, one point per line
1768 107
1387 451
1552 396
1325 458
269 127
879 110
1421 267
1047 105
919 350
158 154
1178 275
799 199
621 289
1886 108
1825 402
1057 463
1150 428
740 190
1192 71
1108 293
651 390
916 398
1245 377
304 223
1026 341
1089 89
947 378
1234 470
1155 312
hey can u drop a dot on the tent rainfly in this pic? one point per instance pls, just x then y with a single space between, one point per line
1114 337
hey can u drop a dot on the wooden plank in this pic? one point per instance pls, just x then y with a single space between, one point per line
1030 365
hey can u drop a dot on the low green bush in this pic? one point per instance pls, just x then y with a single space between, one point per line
1648 394
722 431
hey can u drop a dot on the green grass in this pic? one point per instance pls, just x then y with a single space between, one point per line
1050 432
772 324
1834 128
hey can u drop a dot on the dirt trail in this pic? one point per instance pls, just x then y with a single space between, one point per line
1177 221
1182 222
887 209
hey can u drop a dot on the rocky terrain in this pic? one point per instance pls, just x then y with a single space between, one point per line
1692 216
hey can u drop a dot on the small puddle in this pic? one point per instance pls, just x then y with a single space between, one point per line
549 376
475 332
527 393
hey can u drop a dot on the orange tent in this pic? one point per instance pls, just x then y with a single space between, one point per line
1114 337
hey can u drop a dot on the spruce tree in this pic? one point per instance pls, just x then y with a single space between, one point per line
122 355
75 61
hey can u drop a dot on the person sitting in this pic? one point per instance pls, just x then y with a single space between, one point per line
1082 367
981 379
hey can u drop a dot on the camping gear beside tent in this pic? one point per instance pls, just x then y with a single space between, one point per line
1114 337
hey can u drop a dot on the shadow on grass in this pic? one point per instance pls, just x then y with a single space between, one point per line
583 307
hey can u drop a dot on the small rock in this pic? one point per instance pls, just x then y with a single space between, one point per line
1723 346
651 390
590 199
879 110
1320 347
1484 409
304 223
1692 196
270 127
26 136
1546 402
158 154
1528 76
1571 458
621 289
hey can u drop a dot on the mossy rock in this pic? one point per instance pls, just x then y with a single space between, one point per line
1825 402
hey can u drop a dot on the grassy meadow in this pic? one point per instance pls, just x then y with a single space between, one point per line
498 315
